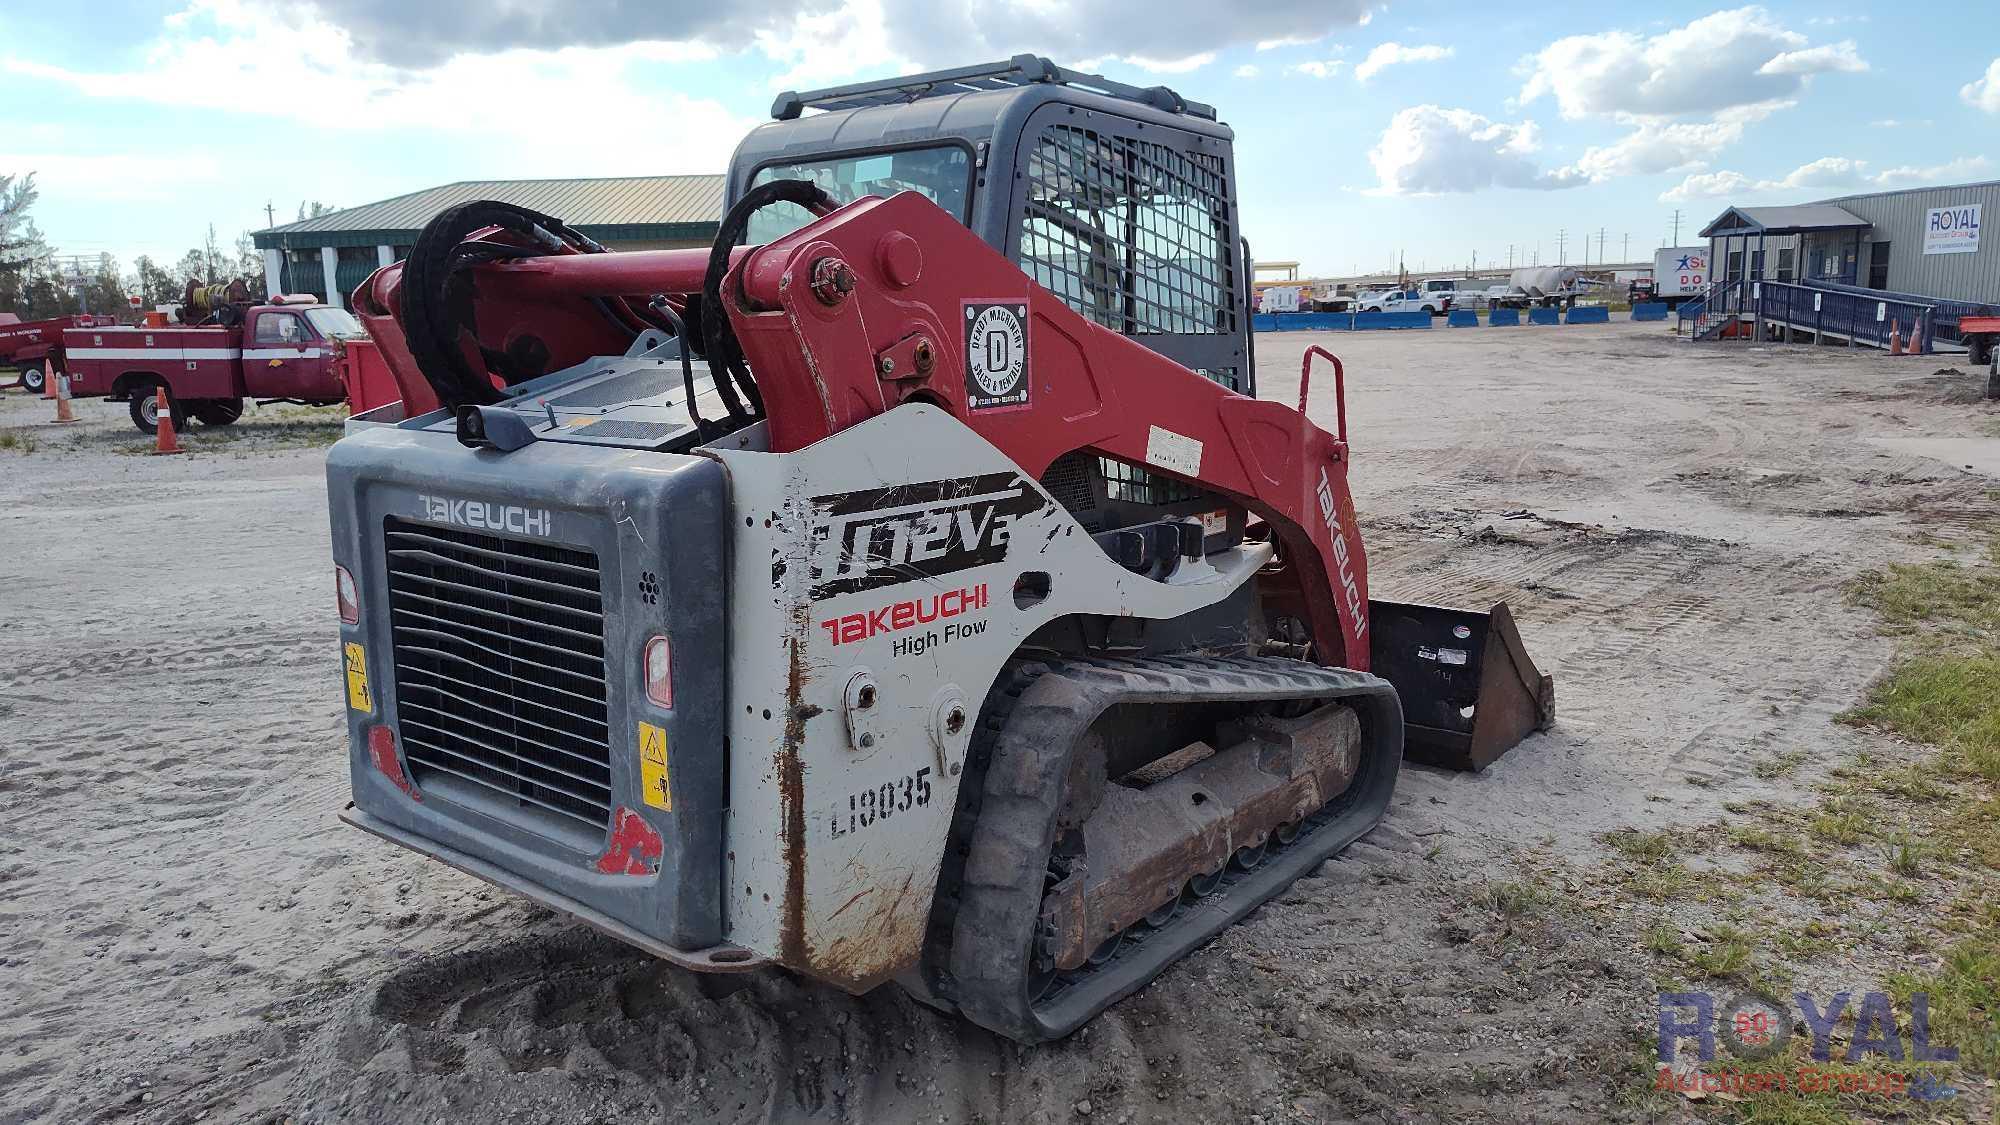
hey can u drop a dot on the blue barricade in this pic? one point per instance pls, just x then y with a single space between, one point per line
1649 310
1544 316
1297 322
1462 318
1589 314
1391 320
1503 318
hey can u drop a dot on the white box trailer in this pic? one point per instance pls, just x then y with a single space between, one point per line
1680 273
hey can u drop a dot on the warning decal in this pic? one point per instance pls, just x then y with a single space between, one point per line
653 767
358 696
996 355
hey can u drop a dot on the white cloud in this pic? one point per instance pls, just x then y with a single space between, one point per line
1654 146
1727 59
1317 69
1831 57
1427 149
1247 70
1984 92
830 37
1395 54
1828 172
1963 168
298 67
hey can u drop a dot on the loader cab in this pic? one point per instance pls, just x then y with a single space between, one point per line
1119 200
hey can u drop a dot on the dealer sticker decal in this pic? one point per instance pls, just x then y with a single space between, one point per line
996 355
653 767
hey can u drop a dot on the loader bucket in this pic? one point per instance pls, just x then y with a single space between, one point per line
1469 690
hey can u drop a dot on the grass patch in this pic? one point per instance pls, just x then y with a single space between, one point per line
1940 594
1513 899
1964 995
1946 699
1646 846
1764 840
1779 765
1727 955
18 442
1840 820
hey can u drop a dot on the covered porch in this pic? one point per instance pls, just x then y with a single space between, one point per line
1807 242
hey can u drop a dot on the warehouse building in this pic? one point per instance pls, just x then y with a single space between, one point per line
331 254
1920 241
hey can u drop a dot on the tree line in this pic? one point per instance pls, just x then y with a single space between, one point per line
36 281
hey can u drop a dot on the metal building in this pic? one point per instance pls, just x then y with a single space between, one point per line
331 254
1920 241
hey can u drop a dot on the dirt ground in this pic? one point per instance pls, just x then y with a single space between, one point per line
186 933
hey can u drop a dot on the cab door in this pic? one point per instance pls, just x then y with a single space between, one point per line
283 356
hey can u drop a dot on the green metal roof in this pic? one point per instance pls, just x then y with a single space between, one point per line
624 208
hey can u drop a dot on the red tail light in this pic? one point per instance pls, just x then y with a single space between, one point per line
346 595
382 749
660 672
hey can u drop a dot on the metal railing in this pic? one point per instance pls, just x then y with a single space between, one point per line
1861 317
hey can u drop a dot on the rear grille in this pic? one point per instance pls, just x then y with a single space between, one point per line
499 659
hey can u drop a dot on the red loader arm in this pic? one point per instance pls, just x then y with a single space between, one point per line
874 304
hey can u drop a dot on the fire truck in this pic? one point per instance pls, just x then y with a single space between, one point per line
286 351
26 344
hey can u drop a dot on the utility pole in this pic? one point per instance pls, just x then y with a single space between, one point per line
1510 255
270 215
1628 246
1677 226
1562 244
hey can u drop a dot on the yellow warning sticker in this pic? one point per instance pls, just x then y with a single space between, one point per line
653 767
358 696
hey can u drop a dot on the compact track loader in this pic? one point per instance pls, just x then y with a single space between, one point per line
910 586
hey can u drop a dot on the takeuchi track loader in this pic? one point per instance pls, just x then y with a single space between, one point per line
910 587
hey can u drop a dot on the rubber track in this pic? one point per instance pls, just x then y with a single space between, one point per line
999 896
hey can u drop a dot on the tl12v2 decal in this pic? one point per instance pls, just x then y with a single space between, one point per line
882 536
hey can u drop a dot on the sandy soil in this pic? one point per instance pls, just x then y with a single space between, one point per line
187 934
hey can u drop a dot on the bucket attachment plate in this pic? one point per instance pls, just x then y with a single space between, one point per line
1469 690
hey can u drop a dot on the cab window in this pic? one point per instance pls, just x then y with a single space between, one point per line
942 174
279 328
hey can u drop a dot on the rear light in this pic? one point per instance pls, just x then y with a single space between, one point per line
382 750
660 672
345 594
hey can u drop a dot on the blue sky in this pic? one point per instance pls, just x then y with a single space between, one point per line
1364 129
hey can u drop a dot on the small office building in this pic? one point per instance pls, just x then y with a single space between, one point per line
1922 241
332 253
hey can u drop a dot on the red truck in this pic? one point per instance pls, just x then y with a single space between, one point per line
288 351
27 344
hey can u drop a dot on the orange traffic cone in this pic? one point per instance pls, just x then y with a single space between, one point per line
64 414
1895 338
48 379
1916 339
164 431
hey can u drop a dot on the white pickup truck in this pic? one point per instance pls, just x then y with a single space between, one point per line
1406 300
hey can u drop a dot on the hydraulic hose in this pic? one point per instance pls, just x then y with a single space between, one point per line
432 327
719 343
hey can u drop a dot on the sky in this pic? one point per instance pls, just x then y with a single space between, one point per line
1444 133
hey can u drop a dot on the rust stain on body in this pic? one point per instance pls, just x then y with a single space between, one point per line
791 799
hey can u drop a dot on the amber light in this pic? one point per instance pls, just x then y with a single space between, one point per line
660 672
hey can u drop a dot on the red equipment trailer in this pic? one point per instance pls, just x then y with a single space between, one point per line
27 344
283 352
